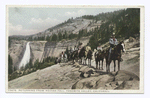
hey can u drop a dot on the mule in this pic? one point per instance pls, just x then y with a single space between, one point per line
74 55
89 57
82 55
115 55
99 57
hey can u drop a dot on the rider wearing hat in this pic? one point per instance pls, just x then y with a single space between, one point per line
113 42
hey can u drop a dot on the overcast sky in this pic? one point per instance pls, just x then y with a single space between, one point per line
26 20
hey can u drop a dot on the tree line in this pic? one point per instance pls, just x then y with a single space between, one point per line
125 24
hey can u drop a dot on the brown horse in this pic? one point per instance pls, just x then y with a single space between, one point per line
82 55
89 57
115 55
99 56
74 55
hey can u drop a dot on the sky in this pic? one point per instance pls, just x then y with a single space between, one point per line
29 20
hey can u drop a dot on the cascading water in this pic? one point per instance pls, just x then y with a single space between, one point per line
26 56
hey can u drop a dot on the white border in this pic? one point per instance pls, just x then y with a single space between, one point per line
82 91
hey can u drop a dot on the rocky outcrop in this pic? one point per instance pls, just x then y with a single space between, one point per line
114 80
131 39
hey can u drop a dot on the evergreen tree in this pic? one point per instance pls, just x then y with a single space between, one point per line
10 63
54 37
59 36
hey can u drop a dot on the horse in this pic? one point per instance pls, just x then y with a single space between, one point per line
99 56
74 55
82 55
115 55
89 57
57 60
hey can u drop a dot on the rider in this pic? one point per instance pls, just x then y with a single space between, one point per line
71 50
79 46
113 42
99 48
87 49
75 48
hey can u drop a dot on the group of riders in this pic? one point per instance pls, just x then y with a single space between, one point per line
99 54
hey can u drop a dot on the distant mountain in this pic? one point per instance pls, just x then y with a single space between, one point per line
124 23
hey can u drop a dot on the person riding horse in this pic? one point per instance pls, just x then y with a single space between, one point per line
75 48
99 48
113 42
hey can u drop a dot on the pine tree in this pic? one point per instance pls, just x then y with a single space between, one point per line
10 63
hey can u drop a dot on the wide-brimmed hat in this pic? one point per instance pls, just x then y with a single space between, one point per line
113 34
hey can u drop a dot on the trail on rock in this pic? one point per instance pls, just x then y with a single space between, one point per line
77 76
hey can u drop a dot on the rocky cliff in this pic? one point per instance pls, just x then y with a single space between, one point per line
41 49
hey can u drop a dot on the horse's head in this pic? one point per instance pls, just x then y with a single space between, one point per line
122 46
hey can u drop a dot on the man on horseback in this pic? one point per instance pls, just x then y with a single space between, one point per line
99 48
75 48
113 42
79 46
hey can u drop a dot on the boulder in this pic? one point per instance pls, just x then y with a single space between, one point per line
77 65
75 69
104 79
131 39
86 72
93 82
125 76
87 83
126 85
83 68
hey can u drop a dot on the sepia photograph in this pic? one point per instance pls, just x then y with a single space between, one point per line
74 49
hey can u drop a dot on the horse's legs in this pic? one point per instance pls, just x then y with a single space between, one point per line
96 64
102 64
118 65
106 65
109 65
85 60
114 65
99 64
90 62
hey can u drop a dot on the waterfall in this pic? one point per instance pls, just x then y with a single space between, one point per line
26 56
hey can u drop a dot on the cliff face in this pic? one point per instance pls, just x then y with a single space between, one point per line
37 49
16 51
54 49
41 49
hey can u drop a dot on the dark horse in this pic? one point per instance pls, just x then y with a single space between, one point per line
99 56
115 55
74 55
82 55
89 57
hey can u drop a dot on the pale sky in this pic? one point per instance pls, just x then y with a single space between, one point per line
26 20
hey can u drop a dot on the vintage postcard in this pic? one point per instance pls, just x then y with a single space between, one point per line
74 49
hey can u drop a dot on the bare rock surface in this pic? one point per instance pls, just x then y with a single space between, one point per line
77 76
121 80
